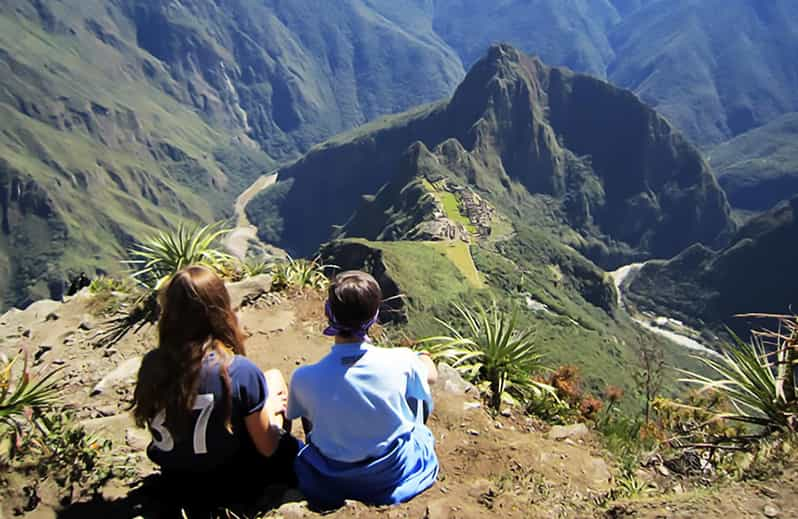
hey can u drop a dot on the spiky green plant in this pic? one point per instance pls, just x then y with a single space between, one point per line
494 350
757 377
154 261
299 273
23 395
158 257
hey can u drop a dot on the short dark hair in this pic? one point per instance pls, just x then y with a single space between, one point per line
354 297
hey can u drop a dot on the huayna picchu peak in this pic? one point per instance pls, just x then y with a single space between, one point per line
553 148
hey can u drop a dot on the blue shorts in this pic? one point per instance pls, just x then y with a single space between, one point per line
408 468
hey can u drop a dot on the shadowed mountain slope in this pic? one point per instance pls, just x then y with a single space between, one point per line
708 289
760 167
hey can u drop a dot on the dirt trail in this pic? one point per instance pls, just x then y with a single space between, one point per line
244 234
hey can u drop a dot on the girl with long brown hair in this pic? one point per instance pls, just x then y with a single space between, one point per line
216 419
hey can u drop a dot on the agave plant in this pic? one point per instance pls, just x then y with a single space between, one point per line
24 395
158 257
154 261
493 350
300 273
757 377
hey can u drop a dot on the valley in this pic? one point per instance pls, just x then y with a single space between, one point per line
584 211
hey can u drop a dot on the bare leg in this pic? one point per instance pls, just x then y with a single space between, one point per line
278 399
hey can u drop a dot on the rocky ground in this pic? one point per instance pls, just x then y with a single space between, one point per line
508 466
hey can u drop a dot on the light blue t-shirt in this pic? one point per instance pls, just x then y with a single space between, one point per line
357 399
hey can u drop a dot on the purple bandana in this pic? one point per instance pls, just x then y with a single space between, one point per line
335 328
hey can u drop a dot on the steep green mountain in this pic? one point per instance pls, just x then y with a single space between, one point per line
715 68
707 288
760 167
120 115
561 151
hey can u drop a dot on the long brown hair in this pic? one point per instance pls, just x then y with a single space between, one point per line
196 318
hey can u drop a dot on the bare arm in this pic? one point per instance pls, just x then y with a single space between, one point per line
432 371
264 434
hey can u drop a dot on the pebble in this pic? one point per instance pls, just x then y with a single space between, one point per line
52 316
473 432
468 406
498 425
771 511
86 324
59 362
26 333
507 413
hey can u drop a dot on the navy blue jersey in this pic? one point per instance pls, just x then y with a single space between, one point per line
207 445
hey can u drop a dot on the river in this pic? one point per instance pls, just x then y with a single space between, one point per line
618 277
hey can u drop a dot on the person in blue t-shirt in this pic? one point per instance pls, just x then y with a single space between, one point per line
363 409
216 419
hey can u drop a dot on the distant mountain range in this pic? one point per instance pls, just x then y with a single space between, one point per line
760 168
119 116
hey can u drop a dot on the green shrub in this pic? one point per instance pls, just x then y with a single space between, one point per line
757 377
158 257
24 396
299 273
493 351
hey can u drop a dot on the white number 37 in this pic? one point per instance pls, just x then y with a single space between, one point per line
204 404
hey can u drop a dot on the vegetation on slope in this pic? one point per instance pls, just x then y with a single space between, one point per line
707 289
759 168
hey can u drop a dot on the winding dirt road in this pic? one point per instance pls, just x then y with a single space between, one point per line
244 235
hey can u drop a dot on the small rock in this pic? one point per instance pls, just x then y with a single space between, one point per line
136 439
52 316
771 511
106 410
110 351
451 382
473 432
469 406
561 432
498 425
292 510
26 332
43 349
662 469
678 488
124 371
437 510
569 441
86 324
59 362
507 413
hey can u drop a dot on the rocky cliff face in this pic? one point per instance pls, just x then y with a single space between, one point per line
550 147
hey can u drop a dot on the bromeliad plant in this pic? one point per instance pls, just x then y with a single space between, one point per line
300 273
155 260
758 377
160 256
24 396
494 350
